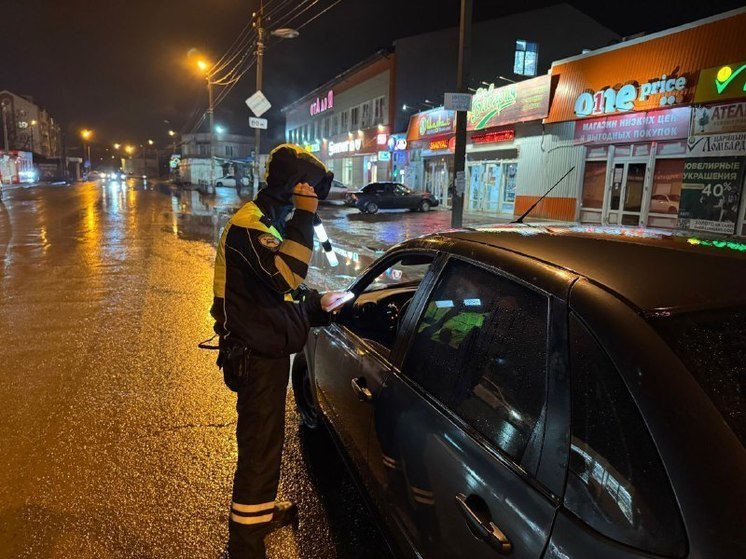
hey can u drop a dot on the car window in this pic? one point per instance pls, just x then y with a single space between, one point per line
712 345
616 482
370 189
387 188
398 274
480 348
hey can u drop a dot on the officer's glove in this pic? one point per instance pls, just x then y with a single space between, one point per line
304 198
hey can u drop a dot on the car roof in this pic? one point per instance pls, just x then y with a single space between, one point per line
655 270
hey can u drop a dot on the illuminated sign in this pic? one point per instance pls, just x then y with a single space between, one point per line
315 147
381 139
494 137
347 146
667 124
610 100
431 123
721 82
397 144
438 144
518 102
384 156
322 104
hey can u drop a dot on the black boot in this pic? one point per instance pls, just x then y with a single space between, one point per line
284 513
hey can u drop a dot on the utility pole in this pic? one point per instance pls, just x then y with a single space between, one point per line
210 112
462 79
259 84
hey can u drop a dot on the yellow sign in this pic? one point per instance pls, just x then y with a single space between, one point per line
720 83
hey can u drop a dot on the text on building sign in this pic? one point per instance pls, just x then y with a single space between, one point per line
322 103
610 100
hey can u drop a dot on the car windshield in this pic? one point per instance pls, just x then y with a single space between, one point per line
712 345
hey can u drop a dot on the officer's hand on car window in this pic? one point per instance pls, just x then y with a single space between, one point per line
304 197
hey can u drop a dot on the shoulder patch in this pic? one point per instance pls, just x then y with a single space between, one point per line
269 241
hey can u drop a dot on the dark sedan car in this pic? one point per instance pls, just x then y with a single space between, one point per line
390 195
545 393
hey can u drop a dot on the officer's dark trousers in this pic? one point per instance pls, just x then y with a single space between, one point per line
260 434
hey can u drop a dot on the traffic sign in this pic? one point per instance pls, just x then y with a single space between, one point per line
258 103
258 123
457 101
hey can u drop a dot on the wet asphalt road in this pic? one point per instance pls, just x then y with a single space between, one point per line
116 432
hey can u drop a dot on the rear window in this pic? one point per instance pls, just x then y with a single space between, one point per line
712 345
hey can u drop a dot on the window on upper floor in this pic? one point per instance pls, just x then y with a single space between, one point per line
229 151
367 116
526 58
378 108
344 120
355 117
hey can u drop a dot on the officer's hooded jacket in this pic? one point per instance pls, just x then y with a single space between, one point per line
260 301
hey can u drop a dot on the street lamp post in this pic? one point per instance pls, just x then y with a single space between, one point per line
86 135
204 66
5 124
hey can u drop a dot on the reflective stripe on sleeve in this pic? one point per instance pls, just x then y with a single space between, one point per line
296 250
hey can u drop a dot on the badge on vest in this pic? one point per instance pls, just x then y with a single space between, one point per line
269 241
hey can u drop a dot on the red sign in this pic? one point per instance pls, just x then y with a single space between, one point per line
442 144
494 137
322 104
666 124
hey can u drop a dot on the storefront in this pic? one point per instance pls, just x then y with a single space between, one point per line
356 158
494 128
430 145
661 148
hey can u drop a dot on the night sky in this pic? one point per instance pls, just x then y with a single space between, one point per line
120 67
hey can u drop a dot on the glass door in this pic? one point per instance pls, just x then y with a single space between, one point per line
626 193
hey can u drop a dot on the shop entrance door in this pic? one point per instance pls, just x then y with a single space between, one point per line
625 195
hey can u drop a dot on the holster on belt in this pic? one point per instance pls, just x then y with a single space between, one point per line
233 358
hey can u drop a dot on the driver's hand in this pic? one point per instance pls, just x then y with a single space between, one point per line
331 299
304 197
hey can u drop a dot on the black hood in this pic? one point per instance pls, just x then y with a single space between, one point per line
289 165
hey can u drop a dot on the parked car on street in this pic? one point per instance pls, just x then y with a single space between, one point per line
230 180
543 392
390 195
337 193
57 181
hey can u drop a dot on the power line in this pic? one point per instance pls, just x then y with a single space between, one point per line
319 14
285 19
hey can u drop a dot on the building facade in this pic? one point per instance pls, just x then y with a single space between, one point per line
29 127
346 122
655 129
233 153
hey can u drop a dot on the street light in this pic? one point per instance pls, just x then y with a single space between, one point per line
150 142
129 149
86 134
285 33
219 129
117 146
205 67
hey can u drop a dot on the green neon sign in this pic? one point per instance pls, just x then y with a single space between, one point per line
725 76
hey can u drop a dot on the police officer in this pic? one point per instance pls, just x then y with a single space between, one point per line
262 314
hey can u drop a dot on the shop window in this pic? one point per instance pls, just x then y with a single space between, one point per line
667 179
480 349
526 58
594 181
355 117
229 151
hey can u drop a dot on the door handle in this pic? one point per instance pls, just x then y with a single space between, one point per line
486 530
361 390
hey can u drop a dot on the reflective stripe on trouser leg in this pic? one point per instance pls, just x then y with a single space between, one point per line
260 433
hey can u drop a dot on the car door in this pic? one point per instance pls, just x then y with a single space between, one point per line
458 430
387 197
352 356
618 501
